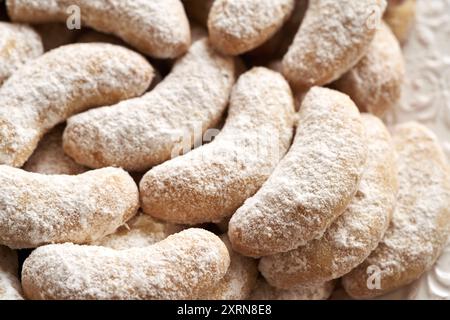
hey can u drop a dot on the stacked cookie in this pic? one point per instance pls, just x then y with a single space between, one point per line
222 178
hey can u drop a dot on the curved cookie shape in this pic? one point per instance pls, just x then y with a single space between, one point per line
375 83
238 282
400 16
238 26
140 133
49 156
354 234
38 209
179 267
312 185
332 38
209 183
139 232
10 288
158 28
264 291
18 45
58 84
421 221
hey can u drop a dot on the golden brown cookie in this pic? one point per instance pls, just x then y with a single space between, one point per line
38 209
375 83
421 221
312 185
182 266
353 235
332 38
209 183
400 16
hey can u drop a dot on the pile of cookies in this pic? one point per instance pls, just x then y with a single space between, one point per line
212 149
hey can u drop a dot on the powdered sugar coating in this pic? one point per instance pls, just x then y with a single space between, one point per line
375 83
209 183
264 291
158 27
49 156
139 232
62 82
353 235
421 222
312 185
332 38
238 282
179 267
10 288
238 26
38 209
18 44
140 133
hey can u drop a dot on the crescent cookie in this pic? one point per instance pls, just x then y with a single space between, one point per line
37 209
18 44
238 26
375 83
209 183
182 266
312 185
332 38
158 28
421 221
60 83
10 288
143 132
353 235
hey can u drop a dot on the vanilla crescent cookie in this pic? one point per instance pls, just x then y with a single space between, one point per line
400 16
209 183
353 235
140 133
421 221
10 288
18 44
142 231
313 183
238 282
332 38
158 28
182 266
49 156
37 209
375 83
238 26
263 291
64 81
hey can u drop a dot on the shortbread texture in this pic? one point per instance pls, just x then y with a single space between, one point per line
182 266
375 83
209 183
60 83
18 44
332 38
37 209
238 26
353 235
313 183
140 133
421 221
158 28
